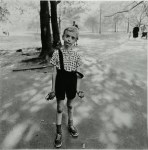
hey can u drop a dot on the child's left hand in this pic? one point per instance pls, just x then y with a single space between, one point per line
50 96
80 94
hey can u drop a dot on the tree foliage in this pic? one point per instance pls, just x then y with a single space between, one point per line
133 12
69 11
21 14
92 23
4 12
138 15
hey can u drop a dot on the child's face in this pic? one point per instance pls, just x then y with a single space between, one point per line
69 38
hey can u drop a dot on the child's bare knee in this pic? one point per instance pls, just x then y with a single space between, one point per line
59 109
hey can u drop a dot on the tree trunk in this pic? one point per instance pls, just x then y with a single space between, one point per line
54 21
45 30
100 21
128 25
115 26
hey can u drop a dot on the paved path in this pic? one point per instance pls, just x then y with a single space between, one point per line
112 115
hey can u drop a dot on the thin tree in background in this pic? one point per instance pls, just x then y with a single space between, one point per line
128 24
54 23
45 30
100 20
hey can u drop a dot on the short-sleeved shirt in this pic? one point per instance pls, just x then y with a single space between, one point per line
71 59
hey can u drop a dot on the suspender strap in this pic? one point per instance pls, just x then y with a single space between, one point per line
80 75
61 59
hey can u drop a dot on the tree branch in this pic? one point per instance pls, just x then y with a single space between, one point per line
125 10
58 2
145 8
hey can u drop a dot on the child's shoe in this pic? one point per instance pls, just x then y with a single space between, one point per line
58 140
73 131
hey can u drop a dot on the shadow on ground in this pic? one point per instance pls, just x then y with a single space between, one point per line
26 118
113 114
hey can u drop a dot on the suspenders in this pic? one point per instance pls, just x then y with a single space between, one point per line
80 75
61 59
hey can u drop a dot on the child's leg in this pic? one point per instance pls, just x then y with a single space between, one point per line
73 131
70 111
58 139
60 105
71 93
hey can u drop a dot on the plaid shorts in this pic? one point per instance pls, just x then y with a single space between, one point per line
66 84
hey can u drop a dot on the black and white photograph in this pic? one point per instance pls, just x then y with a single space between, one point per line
73 74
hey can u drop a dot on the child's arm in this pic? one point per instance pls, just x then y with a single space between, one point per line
51 94
79 77
78 80
79 92
54 78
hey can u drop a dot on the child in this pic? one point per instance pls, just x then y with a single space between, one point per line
66 82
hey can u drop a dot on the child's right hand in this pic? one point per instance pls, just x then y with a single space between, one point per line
80 94
50 96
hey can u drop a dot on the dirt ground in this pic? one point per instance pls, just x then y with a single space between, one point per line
113 114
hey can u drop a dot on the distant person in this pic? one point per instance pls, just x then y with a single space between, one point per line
135 31
144 31
5 32
65 81
75 25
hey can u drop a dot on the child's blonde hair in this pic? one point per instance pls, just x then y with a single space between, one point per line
72 29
